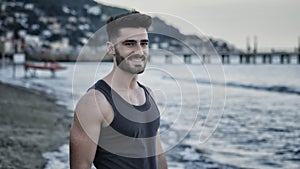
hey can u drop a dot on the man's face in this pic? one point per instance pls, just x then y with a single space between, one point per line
131 50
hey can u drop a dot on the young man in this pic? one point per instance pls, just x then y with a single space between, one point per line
116 122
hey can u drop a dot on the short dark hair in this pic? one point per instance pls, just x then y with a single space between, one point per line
133 19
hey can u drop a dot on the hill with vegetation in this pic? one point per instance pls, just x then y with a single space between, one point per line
64 25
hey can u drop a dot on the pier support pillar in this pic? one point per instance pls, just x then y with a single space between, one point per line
298 58
282 59
168 59
241 59
248 58
270 59
203 59
187 58
225 59
264 59
288 59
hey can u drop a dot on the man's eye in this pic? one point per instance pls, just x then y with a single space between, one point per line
130 44
144 43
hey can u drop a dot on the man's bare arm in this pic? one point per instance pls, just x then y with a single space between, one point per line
85 132
161 159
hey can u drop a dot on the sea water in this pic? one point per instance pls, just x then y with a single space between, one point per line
213 116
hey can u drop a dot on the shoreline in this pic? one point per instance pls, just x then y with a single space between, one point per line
31 124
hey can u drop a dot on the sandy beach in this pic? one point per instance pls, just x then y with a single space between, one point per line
30 124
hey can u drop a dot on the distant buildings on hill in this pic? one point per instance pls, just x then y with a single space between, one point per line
61 30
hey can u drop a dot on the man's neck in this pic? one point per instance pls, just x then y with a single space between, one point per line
122 80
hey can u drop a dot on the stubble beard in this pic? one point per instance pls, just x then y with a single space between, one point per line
123 64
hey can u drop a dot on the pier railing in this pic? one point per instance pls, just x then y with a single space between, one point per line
279 57
266 57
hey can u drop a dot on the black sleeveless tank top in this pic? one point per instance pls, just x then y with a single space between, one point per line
129 141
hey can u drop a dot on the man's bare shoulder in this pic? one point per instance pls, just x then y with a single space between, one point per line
90 98
93 102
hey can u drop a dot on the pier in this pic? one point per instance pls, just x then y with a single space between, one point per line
249 56
265 57
240 58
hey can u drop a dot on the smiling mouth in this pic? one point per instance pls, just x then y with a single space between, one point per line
137 58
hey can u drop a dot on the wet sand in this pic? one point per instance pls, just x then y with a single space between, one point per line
30 124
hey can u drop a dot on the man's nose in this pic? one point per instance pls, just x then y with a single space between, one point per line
139 49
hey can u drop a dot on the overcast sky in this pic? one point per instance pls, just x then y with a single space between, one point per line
276 23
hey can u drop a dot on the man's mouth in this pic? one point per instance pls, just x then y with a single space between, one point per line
136 58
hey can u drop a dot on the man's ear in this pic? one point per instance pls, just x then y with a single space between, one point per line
110 48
